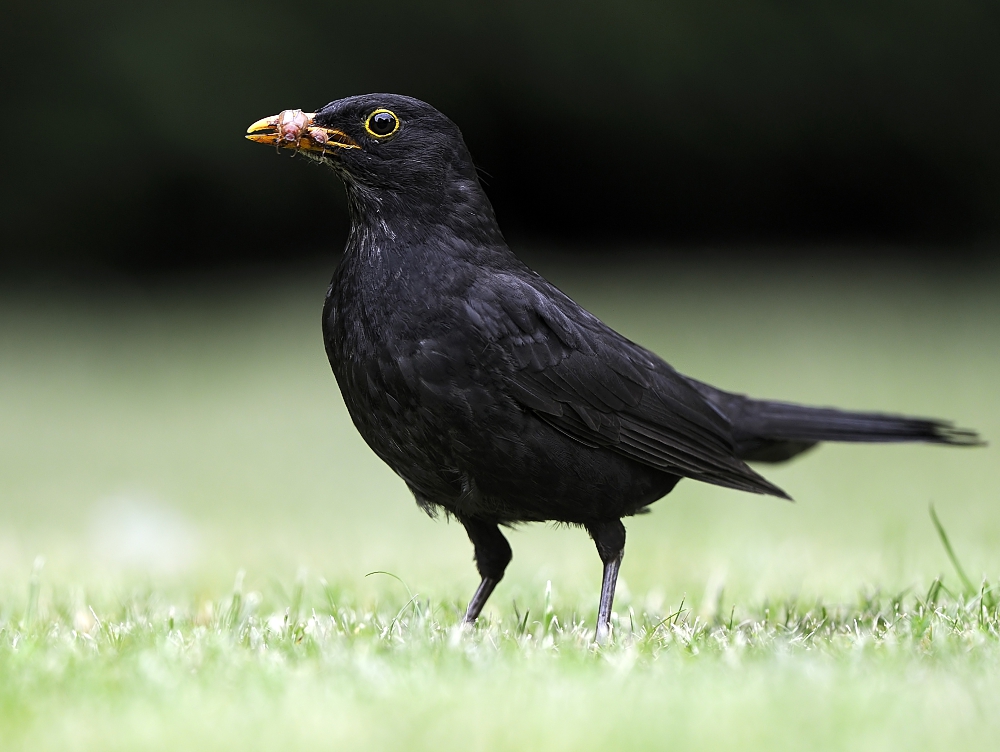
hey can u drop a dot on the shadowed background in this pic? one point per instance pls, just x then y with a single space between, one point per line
633 121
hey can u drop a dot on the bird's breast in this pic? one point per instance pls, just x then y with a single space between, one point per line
408 375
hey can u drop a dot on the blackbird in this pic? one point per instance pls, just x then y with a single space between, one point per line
491 393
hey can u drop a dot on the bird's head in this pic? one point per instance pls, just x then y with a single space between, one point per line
379 143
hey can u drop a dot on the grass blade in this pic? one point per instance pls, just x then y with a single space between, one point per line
970 589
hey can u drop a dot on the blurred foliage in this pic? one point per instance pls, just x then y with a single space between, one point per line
637 119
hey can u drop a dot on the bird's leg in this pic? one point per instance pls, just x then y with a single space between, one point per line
492 557
610 540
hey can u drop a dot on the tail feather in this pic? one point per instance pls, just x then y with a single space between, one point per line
775 431
782 420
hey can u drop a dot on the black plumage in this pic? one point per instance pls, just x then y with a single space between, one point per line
490 392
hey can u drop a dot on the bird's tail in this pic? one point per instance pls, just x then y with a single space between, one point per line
768 431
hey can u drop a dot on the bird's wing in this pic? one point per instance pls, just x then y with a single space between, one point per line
594 385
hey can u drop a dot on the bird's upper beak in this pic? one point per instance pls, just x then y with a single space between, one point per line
295 129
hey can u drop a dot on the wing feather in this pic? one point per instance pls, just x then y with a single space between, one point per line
594 385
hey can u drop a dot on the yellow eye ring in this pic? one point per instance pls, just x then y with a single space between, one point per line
382 127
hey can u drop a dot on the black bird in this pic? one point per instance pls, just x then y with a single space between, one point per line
490 392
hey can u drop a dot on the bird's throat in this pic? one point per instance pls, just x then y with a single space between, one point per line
458 211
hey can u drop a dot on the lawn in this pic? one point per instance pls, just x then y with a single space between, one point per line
198 552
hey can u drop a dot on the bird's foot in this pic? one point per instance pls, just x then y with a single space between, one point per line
603 636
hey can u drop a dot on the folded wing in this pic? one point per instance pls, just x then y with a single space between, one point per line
594 385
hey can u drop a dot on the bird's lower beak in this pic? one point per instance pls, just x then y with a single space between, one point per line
295 129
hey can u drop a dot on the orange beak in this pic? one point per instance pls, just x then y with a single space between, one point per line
295 129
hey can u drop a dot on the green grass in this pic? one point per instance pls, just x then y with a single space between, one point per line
155 443
316 668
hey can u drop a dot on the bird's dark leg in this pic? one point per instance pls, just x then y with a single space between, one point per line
492 557
610 539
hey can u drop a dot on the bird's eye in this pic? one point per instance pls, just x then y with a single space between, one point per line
382 123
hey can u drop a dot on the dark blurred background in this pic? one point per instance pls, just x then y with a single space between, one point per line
687 122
